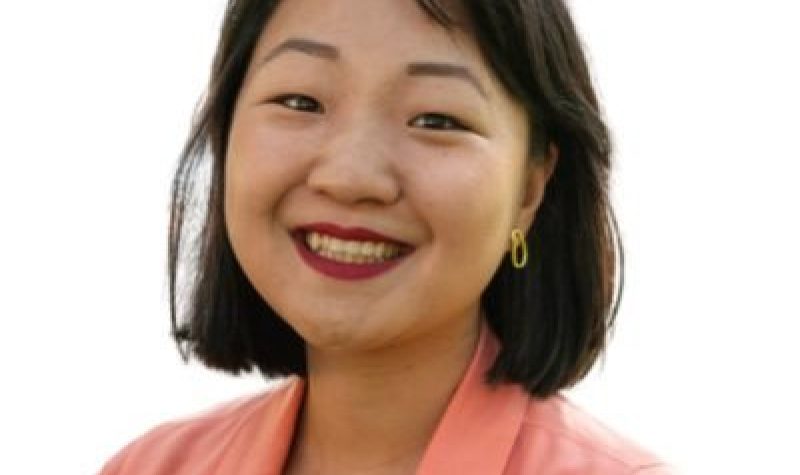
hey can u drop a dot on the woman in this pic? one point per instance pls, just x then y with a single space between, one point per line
408 218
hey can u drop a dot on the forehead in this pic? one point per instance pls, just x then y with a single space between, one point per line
377 31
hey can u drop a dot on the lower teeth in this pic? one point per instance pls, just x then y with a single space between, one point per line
350 259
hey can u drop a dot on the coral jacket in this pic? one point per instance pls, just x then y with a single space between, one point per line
486 430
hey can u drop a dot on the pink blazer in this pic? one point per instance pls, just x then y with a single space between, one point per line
485 431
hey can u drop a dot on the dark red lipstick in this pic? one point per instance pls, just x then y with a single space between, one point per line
344 270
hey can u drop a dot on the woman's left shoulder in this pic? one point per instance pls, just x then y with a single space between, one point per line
557 436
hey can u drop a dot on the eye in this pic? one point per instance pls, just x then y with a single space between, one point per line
299 103
436 121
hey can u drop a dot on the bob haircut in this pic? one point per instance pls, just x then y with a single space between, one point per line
552 317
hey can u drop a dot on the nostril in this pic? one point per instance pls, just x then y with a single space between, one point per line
351 183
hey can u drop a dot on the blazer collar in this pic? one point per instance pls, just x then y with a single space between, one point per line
478 429
474 436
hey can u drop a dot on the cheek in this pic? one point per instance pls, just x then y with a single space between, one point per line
262 164
469 200
468 209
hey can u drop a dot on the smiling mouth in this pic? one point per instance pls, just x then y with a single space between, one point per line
350 251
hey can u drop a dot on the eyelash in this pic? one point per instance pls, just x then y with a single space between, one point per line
306 104
450 122
287 99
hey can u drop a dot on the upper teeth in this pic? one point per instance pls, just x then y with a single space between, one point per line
350 251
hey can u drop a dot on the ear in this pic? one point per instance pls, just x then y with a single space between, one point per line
535 179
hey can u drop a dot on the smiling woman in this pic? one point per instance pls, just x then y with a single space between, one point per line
381 171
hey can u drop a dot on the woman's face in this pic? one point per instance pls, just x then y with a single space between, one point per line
366 131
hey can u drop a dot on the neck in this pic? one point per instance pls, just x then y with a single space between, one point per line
376 412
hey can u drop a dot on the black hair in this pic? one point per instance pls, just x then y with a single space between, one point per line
552 318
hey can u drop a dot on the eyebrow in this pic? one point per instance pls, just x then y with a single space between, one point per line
303 45
330 52
446 70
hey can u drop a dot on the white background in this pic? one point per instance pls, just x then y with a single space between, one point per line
702 96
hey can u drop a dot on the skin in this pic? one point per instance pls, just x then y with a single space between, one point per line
350 138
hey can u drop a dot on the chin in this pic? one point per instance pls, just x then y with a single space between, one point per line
332 334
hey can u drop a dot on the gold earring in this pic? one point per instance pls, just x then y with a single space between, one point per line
519 249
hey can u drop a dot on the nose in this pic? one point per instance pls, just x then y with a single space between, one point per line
354 165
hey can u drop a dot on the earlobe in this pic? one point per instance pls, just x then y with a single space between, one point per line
539 172
551 160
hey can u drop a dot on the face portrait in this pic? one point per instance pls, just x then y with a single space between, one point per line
374 171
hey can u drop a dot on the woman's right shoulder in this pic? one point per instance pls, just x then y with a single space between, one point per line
196 444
